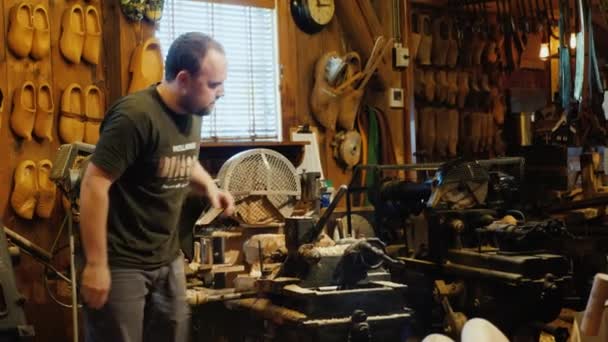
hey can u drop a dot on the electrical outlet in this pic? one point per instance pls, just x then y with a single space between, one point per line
395 98
401 56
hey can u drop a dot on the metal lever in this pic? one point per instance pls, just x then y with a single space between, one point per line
316 230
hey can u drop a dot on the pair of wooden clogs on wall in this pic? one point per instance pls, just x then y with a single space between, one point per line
438 132
434 41
34 192
81 34
146 65
29 31
439 86
82 111
33 109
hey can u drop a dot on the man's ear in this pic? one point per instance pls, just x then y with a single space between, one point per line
182 78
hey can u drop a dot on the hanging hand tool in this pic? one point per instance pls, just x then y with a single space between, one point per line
538 17
595 78
525 22
565 76
548 20
580 53
521 22
510 65
515 36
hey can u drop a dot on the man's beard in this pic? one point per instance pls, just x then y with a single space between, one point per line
203 112
188 104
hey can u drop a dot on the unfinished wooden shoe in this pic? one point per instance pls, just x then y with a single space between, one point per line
350 95
45 108
463 88
441 132
498 106
20 30
414 41
466 50
492 52
478 46
47 191
146 66
484 83
429 85
490 131
92 39
24 110
441 81
452 57
324 100
349 107
441 35
474 82
499 145
426 41
71 42
93 110
71 118
25 193
419 82
426 134
41 43
452 88
453 122
477 124
483 136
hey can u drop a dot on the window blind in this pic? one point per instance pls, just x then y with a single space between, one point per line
250 109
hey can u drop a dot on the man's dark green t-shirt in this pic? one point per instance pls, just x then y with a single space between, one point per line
152 151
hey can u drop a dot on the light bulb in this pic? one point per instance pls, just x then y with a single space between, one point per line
544 51
572 40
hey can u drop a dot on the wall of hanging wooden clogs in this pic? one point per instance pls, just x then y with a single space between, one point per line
49 48
458 85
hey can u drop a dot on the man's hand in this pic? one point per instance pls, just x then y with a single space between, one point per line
203 182
95 285
222 199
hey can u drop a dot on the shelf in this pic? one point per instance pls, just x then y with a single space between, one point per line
227 268
262 226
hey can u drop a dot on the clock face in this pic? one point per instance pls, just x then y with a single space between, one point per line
321 11
312 15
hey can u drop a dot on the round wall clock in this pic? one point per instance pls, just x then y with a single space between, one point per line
311 16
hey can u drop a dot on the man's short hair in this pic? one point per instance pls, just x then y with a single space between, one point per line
186 53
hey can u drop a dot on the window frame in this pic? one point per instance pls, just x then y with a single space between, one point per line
281 133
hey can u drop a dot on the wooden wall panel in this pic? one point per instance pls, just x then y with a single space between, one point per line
51 322
297 86
124 36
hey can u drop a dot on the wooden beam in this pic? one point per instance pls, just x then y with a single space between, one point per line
288 73
124 35
363 27
408 85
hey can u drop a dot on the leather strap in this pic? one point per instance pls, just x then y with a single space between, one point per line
80 117
76 116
